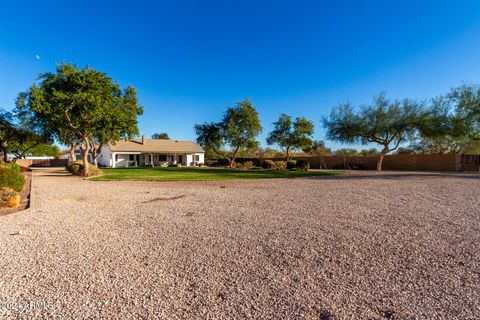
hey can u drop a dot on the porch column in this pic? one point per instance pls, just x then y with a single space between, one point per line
151 159
113 159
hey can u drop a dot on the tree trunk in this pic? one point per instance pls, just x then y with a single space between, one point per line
4 150
232 161
288 154
85 152
379 162
94 157
71 151
380 158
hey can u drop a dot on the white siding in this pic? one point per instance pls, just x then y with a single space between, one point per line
191 159
108 158
104 158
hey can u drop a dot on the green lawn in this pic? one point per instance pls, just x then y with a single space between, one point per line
189 173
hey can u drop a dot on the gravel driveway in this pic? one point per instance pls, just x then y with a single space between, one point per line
396 246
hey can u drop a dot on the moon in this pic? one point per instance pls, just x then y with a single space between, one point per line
37 57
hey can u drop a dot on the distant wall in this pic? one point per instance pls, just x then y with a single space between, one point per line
408 162
42 162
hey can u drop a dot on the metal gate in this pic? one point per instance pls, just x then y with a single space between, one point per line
470 163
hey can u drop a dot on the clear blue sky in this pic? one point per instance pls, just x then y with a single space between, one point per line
191 59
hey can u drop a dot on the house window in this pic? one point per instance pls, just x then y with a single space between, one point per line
132 157
116 158
196 158
162 157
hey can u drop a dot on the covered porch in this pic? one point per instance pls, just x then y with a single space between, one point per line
138 159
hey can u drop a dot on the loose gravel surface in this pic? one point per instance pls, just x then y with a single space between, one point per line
390 246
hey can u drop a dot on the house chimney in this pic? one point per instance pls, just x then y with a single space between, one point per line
144 141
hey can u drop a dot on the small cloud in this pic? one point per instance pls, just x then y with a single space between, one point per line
37 57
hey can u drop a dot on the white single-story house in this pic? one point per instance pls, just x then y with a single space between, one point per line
151 152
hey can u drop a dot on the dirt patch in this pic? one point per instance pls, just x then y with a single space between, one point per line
24 196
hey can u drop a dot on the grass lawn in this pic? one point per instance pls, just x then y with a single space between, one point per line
189 173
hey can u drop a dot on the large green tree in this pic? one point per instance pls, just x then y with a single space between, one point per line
83 104
238 129
384 122
291 135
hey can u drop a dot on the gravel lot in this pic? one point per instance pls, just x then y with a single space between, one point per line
391 246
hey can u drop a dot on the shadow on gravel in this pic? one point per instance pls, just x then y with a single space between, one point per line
399 176
165 199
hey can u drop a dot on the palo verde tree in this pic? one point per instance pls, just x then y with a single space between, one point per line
387 123
291 135
161 135
460 111
453 124
84 104
238 129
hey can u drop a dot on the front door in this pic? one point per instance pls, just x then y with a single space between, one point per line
180 159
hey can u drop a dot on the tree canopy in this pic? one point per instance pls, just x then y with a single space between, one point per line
385 122
238 129
161 135
454 123
81 104
291 135
17 138
318 149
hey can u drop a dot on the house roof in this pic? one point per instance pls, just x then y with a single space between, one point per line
156 146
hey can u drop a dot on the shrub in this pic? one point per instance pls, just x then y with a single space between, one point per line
248 164
223 162
281 165
9 178
76 168
238 165
9 197
268 164
291 164
13 166
303 165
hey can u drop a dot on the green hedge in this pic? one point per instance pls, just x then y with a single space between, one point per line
303 165
10 178
268 164
291 164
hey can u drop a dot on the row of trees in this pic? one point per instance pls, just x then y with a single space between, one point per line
240 126
86 108
447 124
79 107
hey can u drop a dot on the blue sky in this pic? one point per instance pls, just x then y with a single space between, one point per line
191 59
